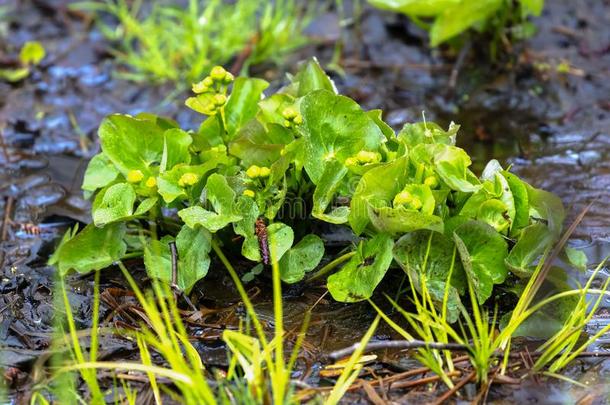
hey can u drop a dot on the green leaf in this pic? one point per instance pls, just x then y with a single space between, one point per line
325 191
131 143
245 227
452 166
176 144
222 198
422 8
495 213
335 128
521 200
427 133
256 145
168 183
458 18
31 53
92 248
429 255
379 184
100 172
301 258
546 206
146 205
388 132
359 277
281 237
533 7
193 247
482 252
312 77
271 108
534 240
576 258
401 220
114 203
549 319
242 105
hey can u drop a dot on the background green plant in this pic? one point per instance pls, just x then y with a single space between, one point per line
168 42
447 19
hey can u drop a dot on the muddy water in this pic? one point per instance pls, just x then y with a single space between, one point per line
552 127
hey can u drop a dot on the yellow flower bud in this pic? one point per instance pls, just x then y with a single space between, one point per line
364 156
253 171
188 179
287 123
200 87
403 198
248 193
220 99
135 176
151 182
351 161
218 73
289 113
416 204
264 172
431 181
228 78
208 81
298 119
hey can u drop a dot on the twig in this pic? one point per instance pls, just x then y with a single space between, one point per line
549 260
422 381
8 207
455 389
455 71
396 344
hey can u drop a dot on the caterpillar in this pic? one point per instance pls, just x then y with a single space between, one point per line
260 229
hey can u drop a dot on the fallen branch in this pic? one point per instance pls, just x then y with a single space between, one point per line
455 389
396 344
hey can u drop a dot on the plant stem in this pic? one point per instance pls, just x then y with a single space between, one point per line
280 385
330 266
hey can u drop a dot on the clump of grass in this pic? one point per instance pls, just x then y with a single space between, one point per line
259 372
168 42
488 346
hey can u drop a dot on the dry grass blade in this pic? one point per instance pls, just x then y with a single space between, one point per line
557 249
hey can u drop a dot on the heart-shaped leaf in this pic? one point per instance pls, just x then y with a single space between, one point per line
358 278
301 258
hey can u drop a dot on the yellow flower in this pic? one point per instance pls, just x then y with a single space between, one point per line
151 182
188 179
253 171
135 176
264 172
248 193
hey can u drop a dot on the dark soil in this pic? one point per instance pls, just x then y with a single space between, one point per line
551 126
